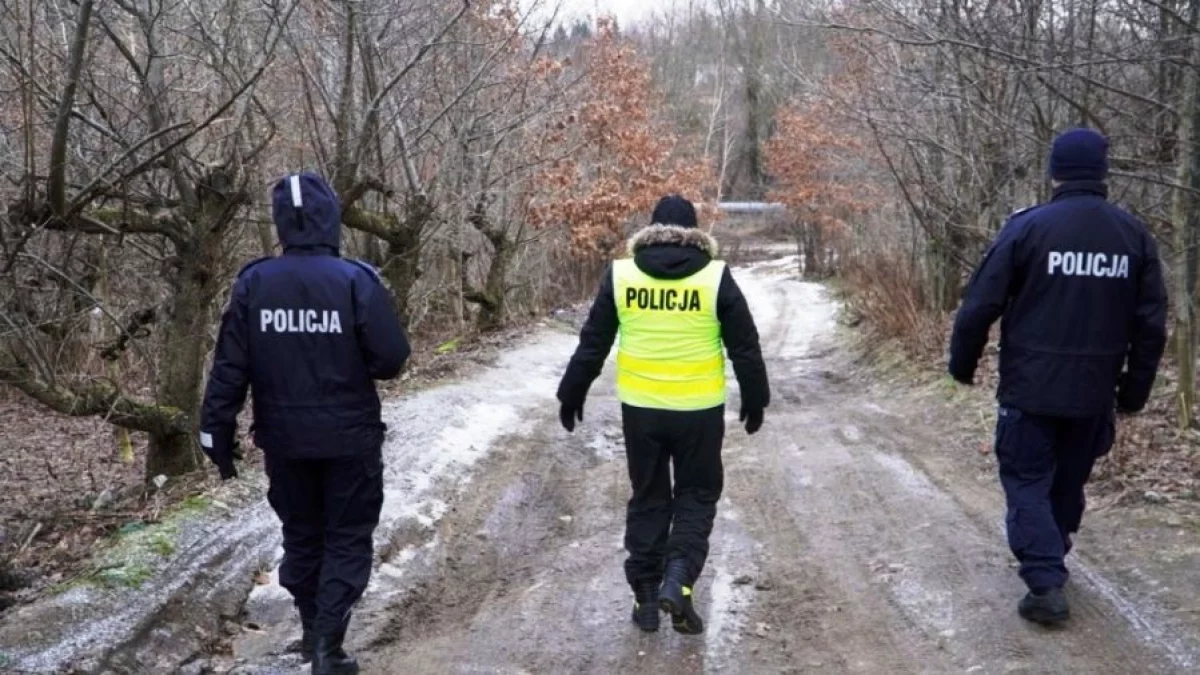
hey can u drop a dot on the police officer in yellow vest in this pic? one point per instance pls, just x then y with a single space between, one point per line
677 311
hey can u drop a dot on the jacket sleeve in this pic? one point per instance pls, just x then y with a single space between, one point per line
225 393
986 297
740 336
380 335
1149 337
595 342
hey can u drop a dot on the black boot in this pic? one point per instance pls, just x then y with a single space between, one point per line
308 644
308 639
1047 607
675 599
645 606
330 659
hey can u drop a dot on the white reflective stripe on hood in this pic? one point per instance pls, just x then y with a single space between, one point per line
296 200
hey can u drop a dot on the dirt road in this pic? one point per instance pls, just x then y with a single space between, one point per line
848 539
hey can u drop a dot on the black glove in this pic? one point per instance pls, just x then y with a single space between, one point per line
222 447
1126 411
961 373
1126 403
753 418
963 378
569 413
227 470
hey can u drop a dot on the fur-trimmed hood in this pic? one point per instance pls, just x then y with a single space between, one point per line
672 252
673 235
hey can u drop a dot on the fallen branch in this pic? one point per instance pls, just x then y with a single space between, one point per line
94 399
29 539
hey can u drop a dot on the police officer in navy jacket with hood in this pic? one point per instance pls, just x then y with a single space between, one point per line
1077 284
309 332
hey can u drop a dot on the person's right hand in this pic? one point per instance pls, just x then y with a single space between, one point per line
753 418
569 413
227 470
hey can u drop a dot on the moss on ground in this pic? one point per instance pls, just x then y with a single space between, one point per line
132 555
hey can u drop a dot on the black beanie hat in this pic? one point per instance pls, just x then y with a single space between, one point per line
1079 154
674 210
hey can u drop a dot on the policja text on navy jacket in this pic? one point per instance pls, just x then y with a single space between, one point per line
308 333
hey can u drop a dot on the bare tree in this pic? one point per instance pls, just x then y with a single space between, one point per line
148 154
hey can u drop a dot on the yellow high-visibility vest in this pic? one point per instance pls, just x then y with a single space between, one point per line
670 355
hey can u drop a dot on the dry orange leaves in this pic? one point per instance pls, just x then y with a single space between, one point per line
810 157
607 156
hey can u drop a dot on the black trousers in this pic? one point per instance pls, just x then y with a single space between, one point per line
329 509
1045 462
664 523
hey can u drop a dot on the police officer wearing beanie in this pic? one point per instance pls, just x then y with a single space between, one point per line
676 309
308 332
1078 286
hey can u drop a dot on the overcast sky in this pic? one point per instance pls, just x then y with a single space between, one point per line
626 11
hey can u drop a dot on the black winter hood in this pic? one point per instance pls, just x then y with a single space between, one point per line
672 251
307 213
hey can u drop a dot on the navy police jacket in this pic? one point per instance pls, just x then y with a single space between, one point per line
1079 285
308 332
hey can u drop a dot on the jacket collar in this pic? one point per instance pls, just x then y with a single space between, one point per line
1076 188
319 249
673 235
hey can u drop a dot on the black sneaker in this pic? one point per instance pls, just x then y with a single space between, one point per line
675 599
1048 607
645 606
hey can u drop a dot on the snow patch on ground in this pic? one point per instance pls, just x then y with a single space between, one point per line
437 436
789 329
1147 626
914 481
101 617
604 446
728 599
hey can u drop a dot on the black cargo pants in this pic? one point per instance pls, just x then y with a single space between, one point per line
663 522
329 509
1045 462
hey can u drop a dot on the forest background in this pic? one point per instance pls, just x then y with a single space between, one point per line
492 156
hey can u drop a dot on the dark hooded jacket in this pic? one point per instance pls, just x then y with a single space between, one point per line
671 252
1079 285
308 332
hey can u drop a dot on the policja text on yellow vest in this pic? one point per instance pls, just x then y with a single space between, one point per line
670 355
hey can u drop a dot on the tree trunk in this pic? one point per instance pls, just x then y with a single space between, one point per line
492 307
184 344
756 107
809 239
403 268
1186 237
171 454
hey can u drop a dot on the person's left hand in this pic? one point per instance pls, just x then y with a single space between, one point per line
965 380
568 414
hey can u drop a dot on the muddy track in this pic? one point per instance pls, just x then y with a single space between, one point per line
850 539
838 548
